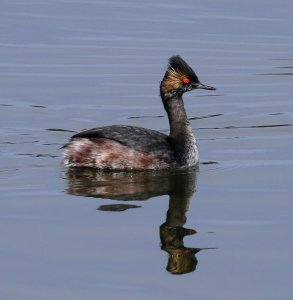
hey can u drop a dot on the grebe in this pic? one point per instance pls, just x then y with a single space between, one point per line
122 147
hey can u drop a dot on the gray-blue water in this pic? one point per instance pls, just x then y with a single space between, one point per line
67 65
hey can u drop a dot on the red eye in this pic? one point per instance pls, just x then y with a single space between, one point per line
186 80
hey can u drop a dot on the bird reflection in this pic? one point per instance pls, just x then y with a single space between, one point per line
181 259
143 185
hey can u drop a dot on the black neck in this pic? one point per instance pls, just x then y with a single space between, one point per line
179 124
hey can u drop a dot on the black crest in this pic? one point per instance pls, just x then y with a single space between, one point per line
177 64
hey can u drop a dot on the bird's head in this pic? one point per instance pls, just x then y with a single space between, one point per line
179 78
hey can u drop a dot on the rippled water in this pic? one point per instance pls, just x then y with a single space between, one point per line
71 64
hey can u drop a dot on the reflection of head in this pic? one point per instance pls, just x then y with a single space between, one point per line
181 260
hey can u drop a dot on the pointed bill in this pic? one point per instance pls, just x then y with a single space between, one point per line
203 86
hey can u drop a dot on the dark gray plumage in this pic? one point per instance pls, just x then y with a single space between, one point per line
137 138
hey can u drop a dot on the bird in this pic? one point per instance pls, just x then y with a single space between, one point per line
124 147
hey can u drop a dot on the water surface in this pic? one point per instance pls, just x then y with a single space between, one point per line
220 232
